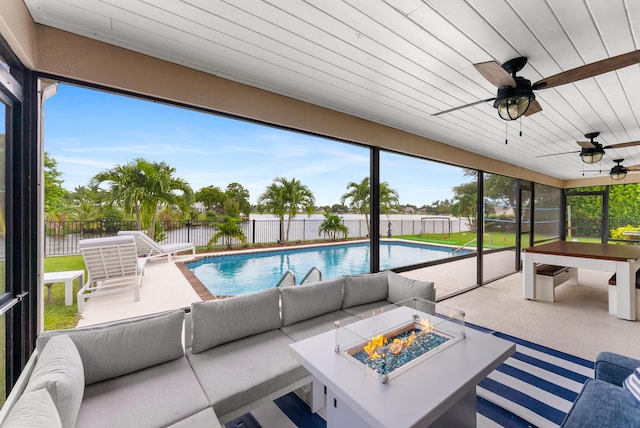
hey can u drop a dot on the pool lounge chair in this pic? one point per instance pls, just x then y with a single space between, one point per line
150 249
113 266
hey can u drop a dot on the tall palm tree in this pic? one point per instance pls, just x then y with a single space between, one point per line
126 185
285 197
359 198
143 187
162 189
389 198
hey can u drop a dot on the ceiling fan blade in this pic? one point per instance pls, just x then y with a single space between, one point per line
586 144
534 107
556 154
633 168
589 70
621 145
495 74
464 106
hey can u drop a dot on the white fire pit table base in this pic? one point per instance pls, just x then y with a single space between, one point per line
438 392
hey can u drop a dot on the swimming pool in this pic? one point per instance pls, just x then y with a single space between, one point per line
248 272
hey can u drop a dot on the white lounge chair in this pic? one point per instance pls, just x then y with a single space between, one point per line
113 267
150 249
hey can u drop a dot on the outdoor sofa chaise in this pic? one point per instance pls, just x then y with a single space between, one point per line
235 357
150 249
603 402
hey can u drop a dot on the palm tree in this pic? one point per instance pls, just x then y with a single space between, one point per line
332 226
143 187
389 198
286 197
359 197
162 189
125 188
228 230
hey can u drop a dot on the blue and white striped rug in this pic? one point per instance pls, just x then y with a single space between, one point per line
535 387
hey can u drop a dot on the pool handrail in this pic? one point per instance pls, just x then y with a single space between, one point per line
287 280
313 275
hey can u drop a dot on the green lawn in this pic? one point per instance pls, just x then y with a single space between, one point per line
56 314
458 239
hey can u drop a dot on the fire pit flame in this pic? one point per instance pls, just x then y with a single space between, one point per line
386 353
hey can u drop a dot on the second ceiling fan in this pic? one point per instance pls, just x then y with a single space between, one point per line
592 151
515 95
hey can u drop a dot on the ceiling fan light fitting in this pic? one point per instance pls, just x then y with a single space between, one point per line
591 156
514 102
618 172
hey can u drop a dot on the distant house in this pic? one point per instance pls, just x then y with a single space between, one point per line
199 206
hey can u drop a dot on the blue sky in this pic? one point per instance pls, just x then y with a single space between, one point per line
87 131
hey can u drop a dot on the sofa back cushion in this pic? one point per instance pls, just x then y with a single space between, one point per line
123 347
402 288
220 321
367 288
59 371
34 410
308 301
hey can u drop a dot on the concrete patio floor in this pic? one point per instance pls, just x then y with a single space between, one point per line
577 323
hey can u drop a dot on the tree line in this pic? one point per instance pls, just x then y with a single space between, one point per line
150 191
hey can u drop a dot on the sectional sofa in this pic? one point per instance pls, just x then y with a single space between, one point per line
223 359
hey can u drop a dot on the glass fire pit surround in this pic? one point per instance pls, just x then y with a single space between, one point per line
388 341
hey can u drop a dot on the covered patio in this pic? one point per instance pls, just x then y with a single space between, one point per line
438 81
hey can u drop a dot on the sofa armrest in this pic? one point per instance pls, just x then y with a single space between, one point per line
19 387
614 368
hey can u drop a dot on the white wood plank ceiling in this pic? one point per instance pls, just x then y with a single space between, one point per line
397 62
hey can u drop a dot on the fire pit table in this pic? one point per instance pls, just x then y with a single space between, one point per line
412 364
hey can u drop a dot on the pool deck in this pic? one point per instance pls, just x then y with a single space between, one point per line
577 323
165 286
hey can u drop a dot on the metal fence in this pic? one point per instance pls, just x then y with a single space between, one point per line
61 237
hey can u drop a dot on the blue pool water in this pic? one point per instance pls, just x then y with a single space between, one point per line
245 273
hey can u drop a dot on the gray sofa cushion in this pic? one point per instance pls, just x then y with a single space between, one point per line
220 321
33 410
307 301
402 288
59 371
154 397
245 370
126 346
311 327
361 289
